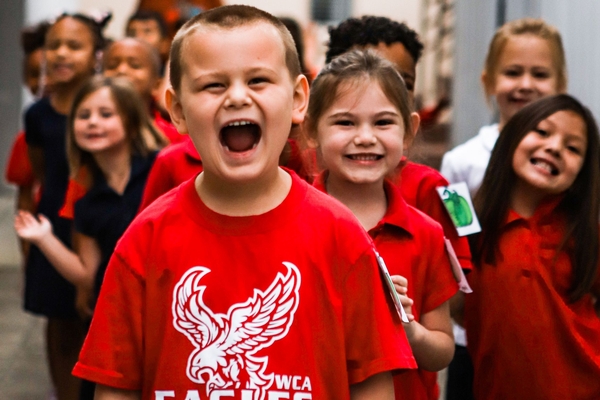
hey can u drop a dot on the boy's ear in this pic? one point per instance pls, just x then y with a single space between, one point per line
301 93
175 109
415 122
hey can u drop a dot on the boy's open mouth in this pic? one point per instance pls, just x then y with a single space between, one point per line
240 136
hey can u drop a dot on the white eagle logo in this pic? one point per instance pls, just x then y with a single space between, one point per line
226 344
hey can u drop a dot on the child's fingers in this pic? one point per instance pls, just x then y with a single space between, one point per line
399 280
400 289
405 301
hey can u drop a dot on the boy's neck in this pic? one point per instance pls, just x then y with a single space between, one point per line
243 199
368 202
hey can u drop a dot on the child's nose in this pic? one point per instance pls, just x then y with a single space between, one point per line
237 96
554 145
365 136
526 82
122 69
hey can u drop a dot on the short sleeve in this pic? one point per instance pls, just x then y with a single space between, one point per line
112 352
18 169
375 339
430 203
75 191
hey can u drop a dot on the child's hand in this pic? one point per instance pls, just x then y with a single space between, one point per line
401 285
30 228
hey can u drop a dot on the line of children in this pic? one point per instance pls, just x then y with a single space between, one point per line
360 117
533 330
209 268
525 62
70 49
107 125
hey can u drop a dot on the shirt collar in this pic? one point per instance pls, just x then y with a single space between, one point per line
190 150
397 213
543 210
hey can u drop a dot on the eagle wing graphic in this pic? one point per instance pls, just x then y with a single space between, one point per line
199 324
265 317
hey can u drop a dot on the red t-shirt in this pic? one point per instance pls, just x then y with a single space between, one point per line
525 338
417 183
412 245
76 189
195 303
18 169
168 129
174 165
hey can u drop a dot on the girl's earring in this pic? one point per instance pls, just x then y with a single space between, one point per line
98 64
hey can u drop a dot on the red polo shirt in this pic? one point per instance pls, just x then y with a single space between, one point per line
412 245
526 339
417 183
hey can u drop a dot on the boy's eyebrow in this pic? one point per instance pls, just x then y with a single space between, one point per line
219 74
350 114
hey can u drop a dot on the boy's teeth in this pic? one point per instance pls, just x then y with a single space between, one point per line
239 123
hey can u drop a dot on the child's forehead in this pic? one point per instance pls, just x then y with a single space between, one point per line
131 47
145 23
255 33
69 26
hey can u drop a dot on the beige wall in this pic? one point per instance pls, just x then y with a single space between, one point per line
408 11
121 10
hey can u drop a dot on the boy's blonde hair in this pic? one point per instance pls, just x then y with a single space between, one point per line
524 26
355 67
229 17
142 135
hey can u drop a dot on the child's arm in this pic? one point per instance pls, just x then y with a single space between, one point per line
36 158
431 339
110 393
380 387
457 306
74 269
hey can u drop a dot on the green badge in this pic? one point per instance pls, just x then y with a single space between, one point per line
458 208
457 201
